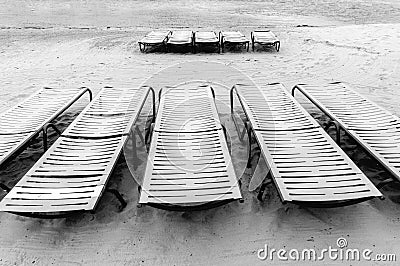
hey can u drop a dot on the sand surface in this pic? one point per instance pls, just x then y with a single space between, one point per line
94 43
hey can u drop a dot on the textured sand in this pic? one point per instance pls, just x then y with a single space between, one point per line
94 44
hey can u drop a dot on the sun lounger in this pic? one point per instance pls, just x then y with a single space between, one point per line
181 38
209 38
72 175
27 119
233 38
153 39
189 166
374 128
306 165
265 38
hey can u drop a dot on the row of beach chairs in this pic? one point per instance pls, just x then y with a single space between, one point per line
306 165
194 40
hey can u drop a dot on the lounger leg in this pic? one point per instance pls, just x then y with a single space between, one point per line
248 128
337 128
118 196
5 187
45 134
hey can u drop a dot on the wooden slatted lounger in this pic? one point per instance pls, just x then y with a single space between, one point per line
189 166
154 38
72 175
206 38
306 165
374 128
27 119
233 38
180 38
265 38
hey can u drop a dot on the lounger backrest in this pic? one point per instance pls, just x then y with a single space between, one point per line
111 113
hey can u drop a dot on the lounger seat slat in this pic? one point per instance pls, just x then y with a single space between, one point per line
190 162
155 37
305 163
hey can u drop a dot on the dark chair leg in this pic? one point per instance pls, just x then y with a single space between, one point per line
248 128
261 192
45 134
5 187
118 196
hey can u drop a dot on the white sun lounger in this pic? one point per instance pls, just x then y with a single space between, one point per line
189 166
265 38
154 38
202 38
27 119
374 128
72 175
181 38
233 38
306 165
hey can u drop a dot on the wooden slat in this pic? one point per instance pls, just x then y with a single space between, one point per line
188 165
306 164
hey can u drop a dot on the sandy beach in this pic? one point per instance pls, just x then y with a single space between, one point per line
71 43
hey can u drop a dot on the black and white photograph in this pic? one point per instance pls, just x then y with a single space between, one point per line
199 132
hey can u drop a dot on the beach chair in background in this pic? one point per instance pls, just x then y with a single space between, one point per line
154 39
180 38
372 127
206 38
72 175
233 38
306 165
33 116
265 38
189 166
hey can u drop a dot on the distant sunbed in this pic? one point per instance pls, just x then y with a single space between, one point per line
265 38
209 38
374 128
33 116
72 175
233 38
153 39
306 165
180 38
189 166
